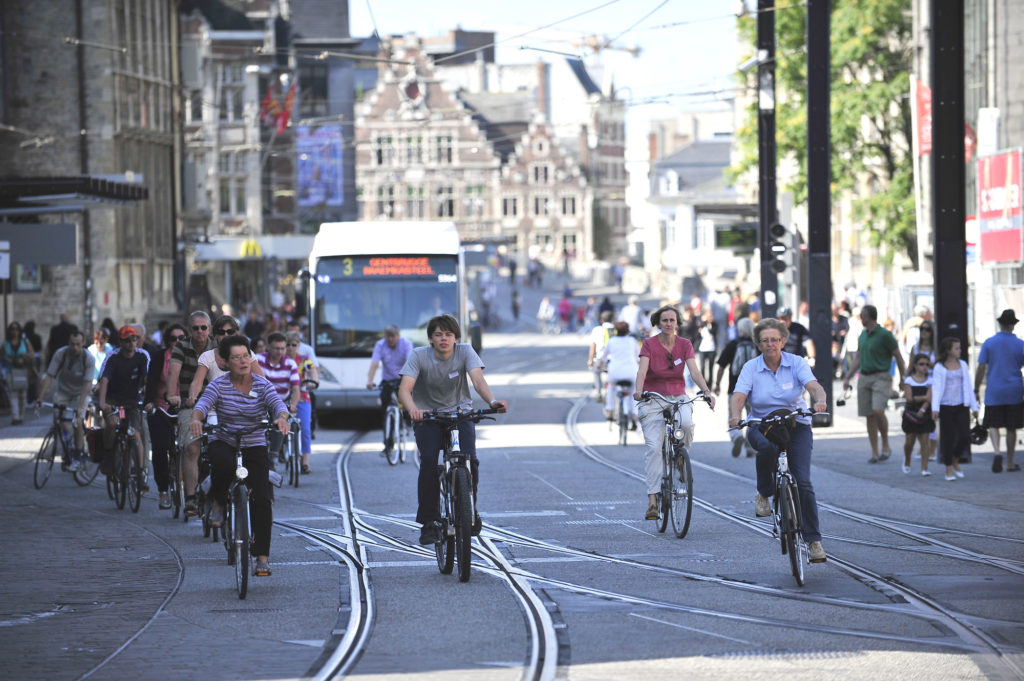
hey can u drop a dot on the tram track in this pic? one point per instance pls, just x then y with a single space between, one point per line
919 604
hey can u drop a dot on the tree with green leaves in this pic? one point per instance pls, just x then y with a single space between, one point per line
870 106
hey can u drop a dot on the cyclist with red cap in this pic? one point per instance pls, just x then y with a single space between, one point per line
123 384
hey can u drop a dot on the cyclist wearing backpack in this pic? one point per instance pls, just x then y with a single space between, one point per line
736 353
599 336
71 367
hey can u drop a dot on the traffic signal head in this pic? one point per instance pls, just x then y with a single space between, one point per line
777 247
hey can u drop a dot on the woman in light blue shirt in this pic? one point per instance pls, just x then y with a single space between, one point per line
777 380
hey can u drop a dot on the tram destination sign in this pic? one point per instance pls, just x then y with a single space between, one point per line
426 267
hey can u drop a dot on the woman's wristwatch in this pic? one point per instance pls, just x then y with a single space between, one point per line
492 403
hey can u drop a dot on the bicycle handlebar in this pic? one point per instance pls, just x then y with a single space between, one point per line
475 415
685 399
768 420
173 414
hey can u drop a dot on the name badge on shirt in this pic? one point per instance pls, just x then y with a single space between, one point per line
454 374
252 393
787 386
677 362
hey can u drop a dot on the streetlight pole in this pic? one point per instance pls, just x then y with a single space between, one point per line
767 208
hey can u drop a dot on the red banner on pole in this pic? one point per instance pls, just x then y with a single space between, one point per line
924 119
999 207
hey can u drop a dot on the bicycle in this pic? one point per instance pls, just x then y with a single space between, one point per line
123 481
675 500
457 506
623 393
175 488
397 435
786 526
58 437
237 528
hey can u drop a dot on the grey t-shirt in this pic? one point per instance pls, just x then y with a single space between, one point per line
70 373
442 384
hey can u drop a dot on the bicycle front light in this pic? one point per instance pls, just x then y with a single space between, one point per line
679 433
241 472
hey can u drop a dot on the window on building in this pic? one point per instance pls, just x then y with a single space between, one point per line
413 150
386 201
314 100
444 149
568 205
231 86
540 205
414 203
510 207
475 201
541 174
231 166
384 150
445 202
194 110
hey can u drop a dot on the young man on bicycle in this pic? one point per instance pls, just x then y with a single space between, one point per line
283 372
71 367
437 378
390 353
122 384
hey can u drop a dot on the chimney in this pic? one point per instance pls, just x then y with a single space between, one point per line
542 89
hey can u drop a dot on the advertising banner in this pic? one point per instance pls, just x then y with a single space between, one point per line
999 207
320 166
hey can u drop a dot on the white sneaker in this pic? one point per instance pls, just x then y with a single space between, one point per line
926 473
815 553
958 474
950 478
906 469
762 507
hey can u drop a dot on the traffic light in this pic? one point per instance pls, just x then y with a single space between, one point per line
778 247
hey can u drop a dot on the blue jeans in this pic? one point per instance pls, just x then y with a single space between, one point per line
799 452
305 414
428 488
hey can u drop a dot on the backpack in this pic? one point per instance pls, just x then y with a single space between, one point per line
745 351
64 360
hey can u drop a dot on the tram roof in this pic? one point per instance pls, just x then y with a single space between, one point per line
385 237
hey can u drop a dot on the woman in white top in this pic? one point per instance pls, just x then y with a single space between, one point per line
620 354
953 402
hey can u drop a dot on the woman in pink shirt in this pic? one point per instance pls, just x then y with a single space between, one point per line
664 358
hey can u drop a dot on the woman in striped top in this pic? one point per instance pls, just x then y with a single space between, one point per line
242 401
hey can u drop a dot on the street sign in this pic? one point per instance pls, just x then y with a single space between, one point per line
999 207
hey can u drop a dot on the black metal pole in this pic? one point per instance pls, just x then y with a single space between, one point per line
819 199
948 169
767 208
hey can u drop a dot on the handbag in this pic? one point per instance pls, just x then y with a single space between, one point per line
914 416
17 378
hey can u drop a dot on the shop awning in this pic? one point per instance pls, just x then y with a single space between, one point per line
282 247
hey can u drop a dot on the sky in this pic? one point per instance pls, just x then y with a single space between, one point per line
688 47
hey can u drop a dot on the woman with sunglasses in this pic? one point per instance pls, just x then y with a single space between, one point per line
17 357
161 427
664 359
925 344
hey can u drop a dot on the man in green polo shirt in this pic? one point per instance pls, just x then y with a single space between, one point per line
876 348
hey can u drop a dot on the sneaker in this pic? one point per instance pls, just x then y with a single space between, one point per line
430 534
815 553
191 506
950 478
997 463
737 446
74 465
165 501
926 472
762 507
906 469
478 525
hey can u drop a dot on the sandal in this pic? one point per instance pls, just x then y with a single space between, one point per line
262 568
306 470
652 513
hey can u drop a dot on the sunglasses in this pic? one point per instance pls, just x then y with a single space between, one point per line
293 345
177 337
197 327
225 332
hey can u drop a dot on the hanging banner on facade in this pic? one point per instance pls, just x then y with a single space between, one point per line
320 165
999 207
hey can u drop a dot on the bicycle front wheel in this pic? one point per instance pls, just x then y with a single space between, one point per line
463 522
665 496
790 531
121 472
44 460
134 474
682 493
240 538
392 422
445 546
295 462
174 488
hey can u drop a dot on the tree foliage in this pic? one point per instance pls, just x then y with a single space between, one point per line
870 113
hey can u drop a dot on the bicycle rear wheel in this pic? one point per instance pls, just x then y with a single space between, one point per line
463 501
682 494
403 437
790 531
44 460
623 421
392 422
134 473
87 468
240 538
296 459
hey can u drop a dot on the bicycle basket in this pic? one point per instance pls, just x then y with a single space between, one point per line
94 440
778 433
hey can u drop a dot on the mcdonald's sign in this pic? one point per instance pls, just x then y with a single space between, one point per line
251 249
